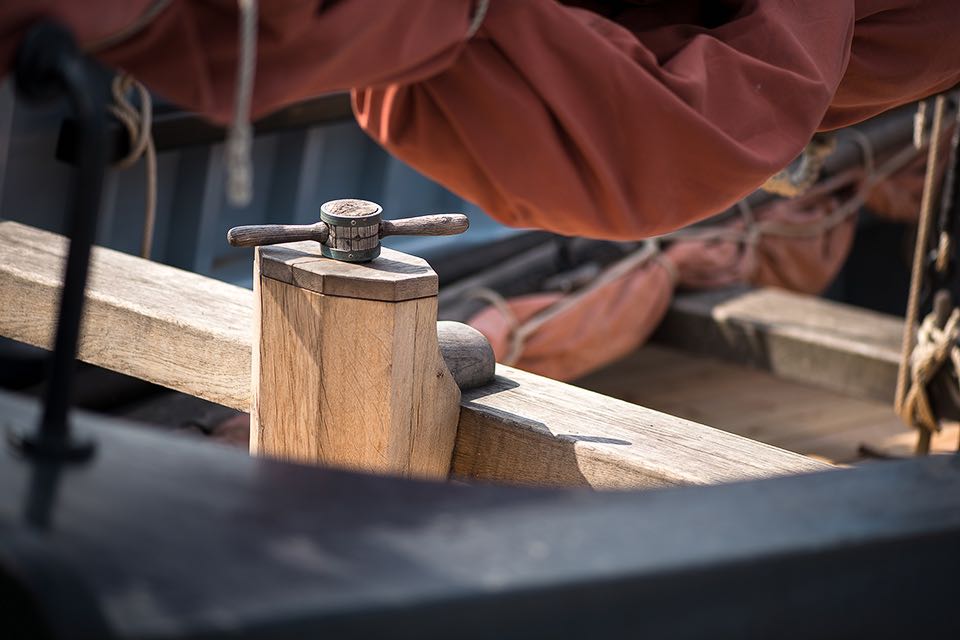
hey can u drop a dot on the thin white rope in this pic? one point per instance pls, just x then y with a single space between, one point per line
920 125
240 137
479 13
138 124
521 332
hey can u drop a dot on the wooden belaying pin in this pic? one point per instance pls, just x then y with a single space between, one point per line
349 230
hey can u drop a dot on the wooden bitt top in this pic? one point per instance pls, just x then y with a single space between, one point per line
350 207
392 277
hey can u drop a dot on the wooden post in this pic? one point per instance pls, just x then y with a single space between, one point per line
347 371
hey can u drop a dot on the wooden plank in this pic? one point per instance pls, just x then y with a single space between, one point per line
524 428
831 345
192 334
154 322
749 402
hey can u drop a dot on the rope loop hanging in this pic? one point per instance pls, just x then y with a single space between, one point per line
138 123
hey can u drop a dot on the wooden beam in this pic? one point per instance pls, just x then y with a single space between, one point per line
798 337
528 429
193 334
349 379
147 320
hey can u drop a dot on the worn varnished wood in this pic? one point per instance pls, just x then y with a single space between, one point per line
798 337
193 334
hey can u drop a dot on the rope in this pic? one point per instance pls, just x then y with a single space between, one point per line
935 346
520 332
753 229
138 124
752 232
240 137
128 31
479 13
912 405
791 183
513 323
920 125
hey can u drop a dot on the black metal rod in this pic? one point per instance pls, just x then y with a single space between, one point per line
82 221
49 67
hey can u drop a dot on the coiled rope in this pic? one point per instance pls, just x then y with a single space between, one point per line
138 123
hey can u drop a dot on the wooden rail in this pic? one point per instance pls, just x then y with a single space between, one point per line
193 334
836 346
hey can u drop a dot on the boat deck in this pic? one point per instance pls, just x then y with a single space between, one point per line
756 404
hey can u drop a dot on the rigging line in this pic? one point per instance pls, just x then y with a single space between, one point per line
127 32
919 254
139 129
240 136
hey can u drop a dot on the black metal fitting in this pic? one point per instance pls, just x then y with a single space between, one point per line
49 66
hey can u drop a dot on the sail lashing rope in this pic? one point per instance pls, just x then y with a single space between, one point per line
931 351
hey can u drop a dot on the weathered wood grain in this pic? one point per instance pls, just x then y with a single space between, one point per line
467 353
392 277
754 403
158 323
797 337
438 224
351 383
527 429
148 320
256 235
193 334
